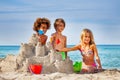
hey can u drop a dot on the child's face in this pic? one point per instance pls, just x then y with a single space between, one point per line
60 27
86 38
43 27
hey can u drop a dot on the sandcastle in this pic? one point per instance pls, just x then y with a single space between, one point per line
35 53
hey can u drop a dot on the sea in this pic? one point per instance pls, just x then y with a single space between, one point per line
109 54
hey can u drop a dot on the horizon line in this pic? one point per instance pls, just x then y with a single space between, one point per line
67 44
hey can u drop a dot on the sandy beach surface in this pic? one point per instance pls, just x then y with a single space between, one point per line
104 75
15 67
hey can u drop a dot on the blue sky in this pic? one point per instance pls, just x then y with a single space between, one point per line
101 16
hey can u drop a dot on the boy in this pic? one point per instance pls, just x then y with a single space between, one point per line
57 39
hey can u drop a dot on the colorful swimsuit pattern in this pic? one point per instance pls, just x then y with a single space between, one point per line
87 53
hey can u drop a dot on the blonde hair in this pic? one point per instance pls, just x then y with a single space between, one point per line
84 31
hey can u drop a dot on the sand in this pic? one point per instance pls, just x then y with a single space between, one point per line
104 75
15 67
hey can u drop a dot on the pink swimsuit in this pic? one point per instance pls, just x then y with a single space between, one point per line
89 52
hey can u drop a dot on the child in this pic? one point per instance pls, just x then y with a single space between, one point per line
41 25
57 39
88 51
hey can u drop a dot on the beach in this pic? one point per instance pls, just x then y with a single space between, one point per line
15 66
109 54
104 75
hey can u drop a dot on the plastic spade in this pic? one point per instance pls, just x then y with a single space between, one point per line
63 55
40 32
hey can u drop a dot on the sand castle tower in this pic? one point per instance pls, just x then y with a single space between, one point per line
35 53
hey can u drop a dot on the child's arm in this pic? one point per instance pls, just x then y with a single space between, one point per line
97 57
43 39
70 49
52 39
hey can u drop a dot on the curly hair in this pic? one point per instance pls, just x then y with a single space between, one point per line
40 21
57 21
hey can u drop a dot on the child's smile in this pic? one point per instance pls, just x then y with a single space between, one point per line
86 38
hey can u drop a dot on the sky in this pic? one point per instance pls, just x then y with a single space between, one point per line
102 17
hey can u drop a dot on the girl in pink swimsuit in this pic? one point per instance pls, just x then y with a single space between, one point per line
87 47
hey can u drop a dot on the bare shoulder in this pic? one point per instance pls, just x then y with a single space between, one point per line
65 37
53 34
78 46
46 36
93 46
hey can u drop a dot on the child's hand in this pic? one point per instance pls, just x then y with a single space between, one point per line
40 32
62 50
57 50
99 68
42 39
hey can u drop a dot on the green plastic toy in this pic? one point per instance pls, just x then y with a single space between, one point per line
63 55
77 66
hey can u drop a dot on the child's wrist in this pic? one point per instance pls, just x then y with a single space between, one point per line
99 67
